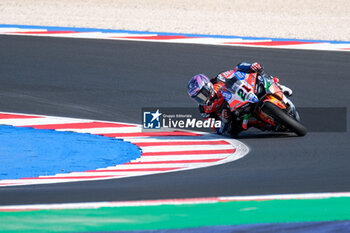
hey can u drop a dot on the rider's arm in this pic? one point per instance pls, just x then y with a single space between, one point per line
243 66
248 67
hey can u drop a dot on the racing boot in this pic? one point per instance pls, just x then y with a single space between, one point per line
249 121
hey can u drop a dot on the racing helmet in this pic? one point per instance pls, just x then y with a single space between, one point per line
200 89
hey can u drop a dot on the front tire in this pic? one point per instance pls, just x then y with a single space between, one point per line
284 119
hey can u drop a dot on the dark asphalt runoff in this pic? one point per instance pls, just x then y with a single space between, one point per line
112 80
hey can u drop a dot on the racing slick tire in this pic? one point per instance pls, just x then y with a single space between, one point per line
283 118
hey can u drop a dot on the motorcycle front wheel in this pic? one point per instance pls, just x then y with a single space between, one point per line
284 119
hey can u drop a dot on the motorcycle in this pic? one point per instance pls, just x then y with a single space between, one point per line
258 96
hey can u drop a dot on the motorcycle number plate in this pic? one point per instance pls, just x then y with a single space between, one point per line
233 100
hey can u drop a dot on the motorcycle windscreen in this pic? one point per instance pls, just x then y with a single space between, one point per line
229 83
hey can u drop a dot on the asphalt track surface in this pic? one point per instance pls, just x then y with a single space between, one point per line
112 80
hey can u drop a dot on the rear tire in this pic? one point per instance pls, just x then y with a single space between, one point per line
283 118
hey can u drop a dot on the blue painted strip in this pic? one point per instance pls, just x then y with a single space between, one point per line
29 152
53 28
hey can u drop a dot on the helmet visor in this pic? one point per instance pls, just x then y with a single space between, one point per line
203 96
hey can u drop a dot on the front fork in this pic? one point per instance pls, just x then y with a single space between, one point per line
272 99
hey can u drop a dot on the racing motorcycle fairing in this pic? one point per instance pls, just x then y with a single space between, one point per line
238 86
275 96
257 97
272 99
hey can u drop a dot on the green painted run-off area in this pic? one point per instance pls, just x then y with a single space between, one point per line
176 216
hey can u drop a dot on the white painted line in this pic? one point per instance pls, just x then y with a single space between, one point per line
17 30
180 157
186 148
105 130
180 38
286 196
185 201
145 166
41 121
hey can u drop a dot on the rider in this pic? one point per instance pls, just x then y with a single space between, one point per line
207 93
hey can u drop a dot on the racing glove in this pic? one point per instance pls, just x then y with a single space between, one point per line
225 116
205 115
256 67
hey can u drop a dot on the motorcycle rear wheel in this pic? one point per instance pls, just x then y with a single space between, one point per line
283 118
